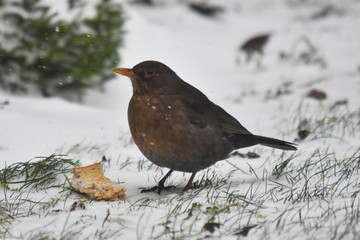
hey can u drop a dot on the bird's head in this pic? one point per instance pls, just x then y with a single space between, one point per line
151 77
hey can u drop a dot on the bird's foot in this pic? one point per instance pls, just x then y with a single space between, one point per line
189 184
157 189
161 186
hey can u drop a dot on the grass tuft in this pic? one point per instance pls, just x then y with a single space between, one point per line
327 122
40 174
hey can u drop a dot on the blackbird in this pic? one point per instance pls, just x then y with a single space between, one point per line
254 47
255 44
176 126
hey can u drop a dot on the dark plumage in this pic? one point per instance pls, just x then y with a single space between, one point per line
255 46
205 9
176 126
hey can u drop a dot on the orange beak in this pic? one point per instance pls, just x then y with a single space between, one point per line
126 72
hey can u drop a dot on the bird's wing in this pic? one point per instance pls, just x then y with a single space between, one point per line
195 113
200 111
201 114
229 123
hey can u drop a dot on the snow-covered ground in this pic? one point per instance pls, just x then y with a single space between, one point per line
315 196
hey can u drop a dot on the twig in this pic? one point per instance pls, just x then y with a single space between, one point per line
107 216
237 167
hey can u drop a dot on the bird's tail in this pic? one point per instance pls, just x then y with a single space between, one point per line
244 140
274 143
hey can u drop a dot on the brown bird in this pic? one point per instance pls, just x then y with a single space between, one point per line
255 44
254 47
176 126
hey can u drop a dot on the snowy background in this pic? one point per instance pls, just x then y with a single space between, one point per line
317 195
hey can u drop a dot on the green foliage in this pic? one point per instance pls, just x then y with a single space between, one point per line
216 210
40 50
42 174
19 180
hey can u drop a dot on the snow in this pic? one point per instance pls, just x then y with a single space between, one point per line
203 52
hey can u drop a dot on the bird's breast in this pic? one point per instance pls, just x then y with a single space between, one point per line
152 119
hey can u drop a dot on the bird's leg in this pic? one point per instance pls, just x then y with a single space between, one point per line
160 186
259 59
188 185
162 181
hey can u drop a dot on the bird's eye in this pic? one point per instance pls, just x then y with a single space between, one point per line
149 73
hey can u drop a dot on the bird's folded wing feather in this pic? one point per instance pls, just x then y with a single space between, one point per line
229 123
196 115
